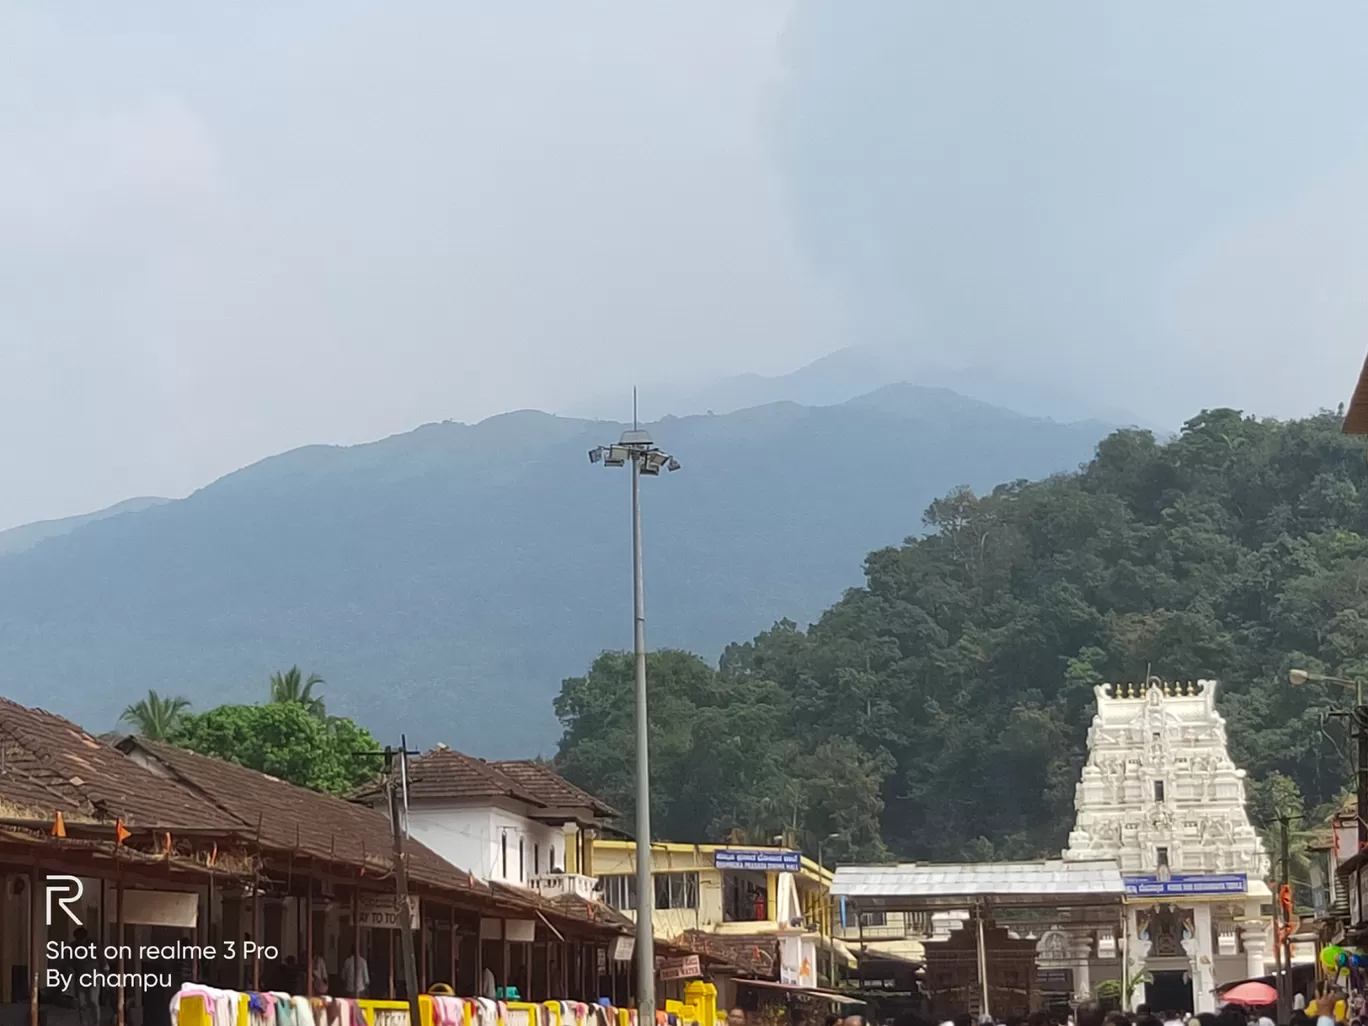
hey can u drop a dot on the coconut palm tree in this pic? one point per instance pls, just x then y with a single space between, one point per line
292 687
156 718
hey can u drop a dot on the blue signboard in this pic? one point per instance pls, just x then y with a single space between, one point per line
1177 885
765 861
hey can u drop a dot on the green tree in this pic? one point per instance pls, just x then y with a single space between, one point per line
942 709
156 718
292 687
287 741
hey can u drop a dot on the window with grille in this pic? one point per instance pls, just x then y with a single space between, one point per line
676 890
619 891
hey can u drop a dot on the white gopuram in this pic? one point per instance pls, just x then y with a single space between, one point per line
1160 795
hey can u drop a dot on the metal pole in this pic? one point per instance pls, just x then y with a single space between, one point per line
645 937
36 944
1285 928
983 968
1361 732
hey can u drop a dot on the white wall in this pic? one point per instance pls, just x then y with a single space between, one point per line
472 838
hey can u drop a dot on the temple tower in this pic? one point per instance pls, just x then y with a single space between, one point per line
1160 794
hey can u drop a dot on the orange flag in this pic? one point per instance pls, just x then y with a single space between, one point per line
58 826
121 833
167 849
213 855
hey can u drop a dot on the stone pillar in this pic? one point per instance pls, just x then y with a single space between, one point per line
1137 953
1203 968
1080 950
1254 940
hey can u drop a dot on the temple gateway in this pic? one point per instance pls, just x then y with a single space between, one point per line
1160 795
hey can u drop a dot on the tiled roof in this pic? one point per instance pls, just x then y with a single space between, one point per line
539 779
593 911
295 819
756 955
290 818
1008 882
49 764
443 773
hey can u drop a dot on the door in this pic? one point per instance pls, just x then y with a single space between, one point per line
1170 992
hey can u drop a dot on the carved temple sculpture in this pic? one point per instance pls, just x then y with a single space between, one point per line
1160 794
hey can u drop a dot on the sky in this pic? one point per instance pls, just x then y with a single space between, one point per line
228 230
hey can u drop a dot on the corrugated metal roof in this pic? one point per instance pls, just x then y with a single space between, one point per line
1051 878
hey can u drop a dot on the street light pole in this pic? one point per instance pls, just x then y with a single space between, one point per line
645 925
636 447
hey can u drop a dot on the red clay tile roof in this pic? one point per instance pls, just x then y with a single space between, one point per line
48 763
757 955
554 790
445 774
294 819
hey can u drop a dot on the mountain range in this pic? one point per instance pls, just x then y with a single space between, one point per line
857 370
444 581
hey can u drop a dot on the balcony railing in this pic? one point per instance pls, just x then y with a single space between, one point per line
553 885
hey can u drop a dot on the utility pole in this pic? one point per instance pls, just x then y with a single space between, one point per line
1284 928
1361 737
401 888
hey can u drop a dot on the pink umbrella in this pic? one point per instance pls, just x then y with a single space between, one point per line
1251 993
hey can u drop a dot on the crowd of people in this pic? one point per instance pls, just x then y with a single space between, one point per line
1329 1009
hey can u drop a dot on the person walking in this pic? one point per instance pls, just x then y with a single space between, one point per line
355 974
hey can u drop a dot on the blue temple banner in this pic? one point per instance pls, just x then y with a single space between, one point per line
1178 885
773 861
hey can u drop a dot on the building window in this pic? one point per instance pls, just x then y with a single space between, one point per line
1161 857
522 874
873 918
745 897
536 860
676 890
551 859
503 855
1158 790
619 891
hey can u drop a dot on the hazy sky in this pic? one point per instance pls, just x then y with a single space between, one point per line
226 230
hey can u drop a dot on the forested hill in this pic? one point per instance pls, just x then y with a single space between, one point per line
443 581
941 710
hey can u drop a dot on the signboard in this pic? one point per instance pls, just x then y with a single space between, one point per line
685 968
622 948
1178 885
157 908
381 912
762 861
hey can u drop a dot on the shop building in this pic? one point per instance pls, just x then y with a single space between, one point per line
767 907
154 845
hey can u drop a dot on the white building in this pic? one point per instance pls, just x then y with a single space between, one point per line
1160 794
504 822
